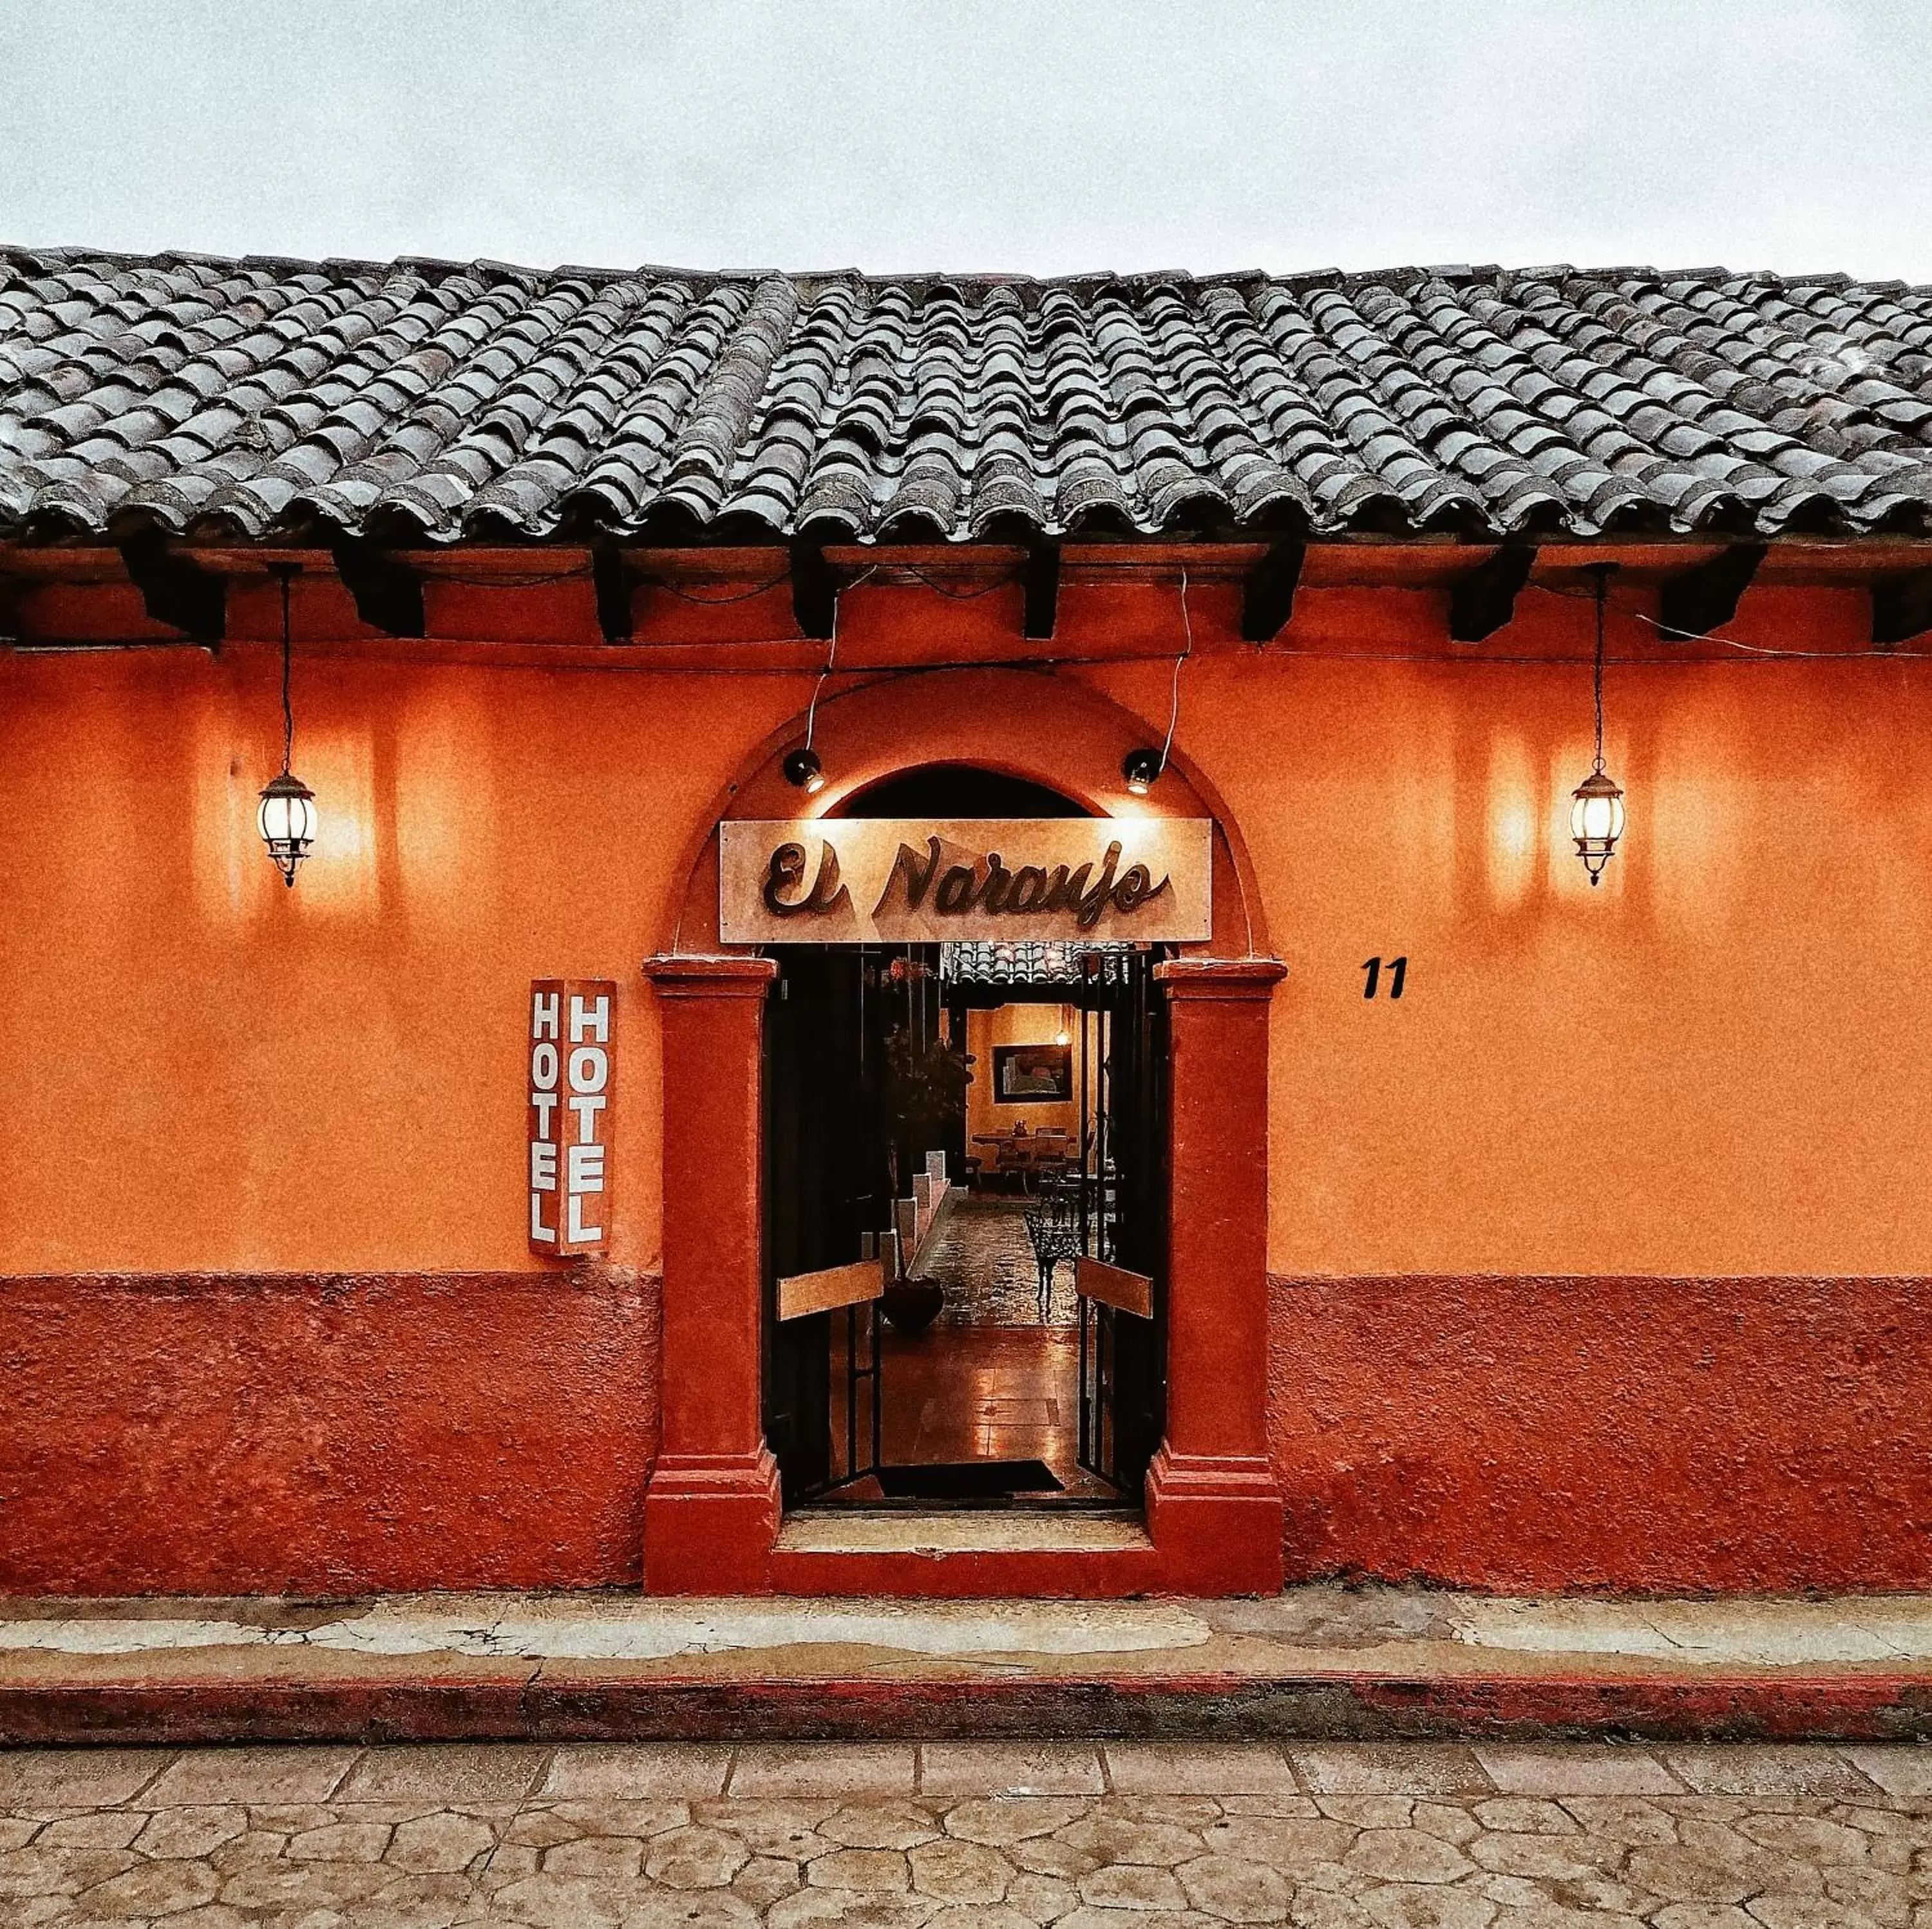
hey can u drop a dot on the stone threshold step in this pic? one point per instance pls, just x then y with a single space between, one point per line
964 1553
862 1530
1316 1663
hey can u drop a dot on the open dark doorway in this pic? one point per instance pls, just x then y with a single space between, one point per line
983 1126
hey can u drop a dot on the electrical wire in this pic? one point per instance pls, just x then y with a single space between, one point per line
719 602
831 659
954 596
506 582
585 575
716 602
1180 663
1902 653
1891 654
739 596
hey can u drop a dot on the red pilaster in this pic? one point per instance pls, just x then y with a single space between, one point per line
712 1512
1213 1509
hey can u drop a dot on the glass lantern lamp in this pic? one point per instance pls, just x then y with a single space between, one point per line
286 815
287 819
1596 803
1596 820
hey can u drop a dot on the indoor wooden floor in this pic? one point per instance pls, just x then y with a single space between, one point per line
979 1393
986 1382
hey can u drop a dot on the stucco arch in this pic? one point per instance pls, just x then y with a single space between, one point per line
1213 1513
1021 723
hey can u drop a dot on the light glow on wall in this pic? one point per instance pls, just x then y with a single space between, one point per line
449 807
1511 846
339 878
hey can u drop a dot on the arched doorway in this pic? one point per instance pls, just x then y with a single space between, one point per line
903 748
987 1122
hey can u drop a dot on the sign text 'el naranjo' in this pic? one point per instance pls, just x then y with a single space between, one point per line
859 880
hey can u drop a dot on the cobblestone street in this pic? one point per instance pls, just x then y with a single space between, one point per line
969 1836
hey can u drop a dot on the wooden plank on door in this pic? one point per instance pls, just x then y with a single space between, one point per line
1114 1286
834 1286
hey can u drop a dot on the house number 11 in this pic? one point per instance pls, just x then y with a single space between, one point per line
1398 971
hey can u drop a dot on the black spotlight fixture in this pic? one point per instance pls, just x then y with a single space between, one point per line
1140 768
801 767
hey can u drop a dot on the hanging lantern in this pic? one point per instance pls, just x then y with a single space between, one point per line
1596 820
1597 804
287 820
286 817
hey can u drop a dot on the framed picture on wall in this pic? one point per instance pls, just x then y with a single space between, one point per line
1033 1074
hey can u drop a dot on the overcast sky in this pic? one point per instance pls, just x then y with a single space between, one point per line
1042 138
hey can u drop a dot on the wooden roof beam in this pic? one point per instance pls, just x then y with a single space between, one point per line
1706 598
388 594
612 577
175 588
1901 608
1485 600
814 590
1268 597
1040 574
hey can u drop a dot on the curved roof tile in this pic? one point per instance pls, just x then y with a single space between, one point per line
478 400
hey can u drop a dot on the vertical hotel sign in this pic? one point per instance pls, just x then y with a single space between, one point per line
570 1114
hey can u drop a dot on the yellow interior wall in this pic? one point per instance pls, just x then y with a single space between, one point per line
1016 1025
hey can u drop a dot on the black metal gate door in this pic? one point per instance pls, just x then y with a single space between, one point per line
821 1375
1120 1277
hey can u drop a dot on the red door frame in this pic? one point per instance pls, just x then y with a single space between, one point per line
1214 1513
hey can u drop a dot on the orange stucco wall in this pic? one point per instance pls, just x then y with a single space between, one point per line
1716 1065
1716 1062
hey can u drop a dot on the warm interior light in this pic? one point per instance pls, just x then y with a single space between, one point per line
286 817
1140 768
801 767
1596 821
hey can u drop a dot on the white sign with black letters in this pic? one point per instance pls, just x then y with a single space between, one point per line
570 1092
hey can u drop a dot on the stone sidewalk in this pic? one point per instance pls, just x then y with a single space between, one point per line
1317 1662
968 1836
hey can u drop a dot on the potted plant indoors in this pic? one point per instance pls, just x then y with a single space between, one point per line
925 1089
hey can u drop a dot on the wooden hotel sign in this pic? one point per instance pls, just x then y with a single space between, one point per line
570 1114
854 880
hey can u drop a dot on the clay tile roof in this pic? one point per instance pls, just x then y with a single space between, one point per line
419 400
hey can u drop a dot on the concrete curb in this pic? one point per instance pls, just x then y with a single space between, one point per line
1174 1708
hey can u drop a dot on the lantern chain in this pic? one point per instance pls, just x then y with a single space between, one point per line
1602 572
285 573
289 713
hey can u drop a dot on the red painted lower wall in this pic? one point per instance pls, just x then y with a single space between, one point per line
216 1434
220 1434
1645 1434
